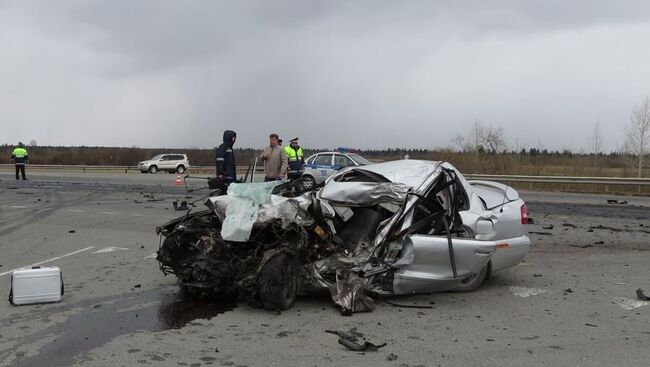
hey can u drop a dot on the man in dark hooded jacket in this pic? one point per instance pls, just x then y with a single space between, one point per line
226 169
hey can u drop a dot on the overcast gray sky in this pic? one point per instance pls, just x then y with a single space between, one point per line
366 74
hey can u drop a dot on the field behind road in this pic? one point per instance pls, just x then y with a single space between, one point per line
571 303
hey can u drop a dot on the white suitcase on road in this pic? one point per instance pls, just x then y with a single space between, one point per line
36 285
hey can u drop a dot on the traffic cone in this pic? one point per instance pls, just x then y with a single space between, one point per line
178 180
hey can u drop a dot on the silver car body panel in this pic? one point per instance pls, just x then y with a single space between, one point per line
430 268
363 193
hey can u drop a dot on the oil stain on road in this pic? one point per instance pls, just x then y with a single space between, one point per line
151 310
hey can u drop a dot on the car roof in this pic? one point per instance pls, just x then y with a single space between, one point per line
411 172
333 153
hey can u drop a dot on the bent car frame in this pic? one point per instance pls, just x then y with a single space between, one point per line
383 229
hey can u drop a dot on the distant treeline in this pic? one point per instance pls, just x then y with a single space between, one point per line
525 162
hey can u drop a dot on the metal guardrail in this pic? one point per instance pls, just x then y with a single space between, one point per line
562 179
498 178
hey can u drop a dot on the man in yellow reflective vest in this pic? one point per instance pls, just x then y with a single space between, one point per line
19 159
295 156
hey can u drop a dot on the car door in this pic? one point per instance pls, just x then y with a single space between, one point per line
426 263
432 260
163 164
323 167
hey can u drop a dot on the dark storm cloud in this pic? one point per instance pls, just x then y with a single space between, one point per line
364 73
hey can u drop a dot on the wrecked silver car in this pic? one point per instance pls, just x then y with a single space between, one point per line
391 228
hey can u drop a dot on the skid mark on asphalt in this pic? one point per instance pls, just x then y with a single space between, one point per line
524 292
49 260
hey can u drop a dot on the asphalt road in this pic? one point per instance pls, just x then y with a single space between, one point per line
572 302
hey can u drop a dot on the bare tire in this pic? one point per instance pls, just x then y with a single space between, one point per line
278 283
474 281
153 169
308 182
180 169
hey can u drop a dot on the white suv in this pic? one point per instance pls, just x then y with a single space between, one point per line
172 163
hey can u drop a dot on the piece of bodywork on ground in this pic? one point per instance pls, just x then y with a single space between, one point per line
392 228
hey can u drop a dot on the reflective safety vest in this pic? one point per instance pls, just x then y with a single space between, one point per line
295 159
19 155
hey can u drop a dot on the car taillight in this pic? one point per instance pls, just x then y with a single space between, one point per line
524 214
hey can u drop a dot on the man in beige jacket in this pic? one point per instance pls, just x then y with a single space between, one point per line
275 161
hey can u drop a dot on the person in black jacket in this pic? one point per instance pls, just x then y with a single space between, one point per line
226 169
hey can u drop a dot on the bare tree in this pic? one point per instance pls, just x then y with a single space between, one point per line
637 134
481 139
492 138
596 141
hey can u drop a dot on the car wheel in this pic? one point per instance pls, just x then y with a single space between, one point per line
180 169
153 169
309 182
278 283
474 281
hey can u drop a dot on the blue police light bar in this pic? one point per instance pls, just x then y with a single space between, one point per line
345 150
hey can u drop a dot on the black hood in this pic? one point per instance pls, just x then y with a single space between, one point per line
228 135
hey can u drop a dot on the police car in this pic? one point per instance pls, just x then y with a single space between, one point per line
320 166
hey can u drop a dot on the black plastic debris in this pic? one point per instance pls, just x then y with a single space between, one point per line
391 357
568 290
180 205
550 226
569 225
350 339
72 231
351 334
530 220
641 295
582 246
366 346
615 201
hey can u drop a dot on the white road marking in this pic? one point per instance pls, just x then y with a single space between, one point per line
524 292
18 207
152 256
629 303
109 213
136 215
76 210
49 260
110 249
